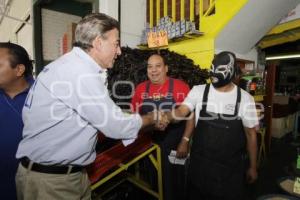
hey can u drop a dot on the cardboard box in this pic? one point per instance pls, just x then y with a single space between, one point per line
290 122
282 126
280 99
278 129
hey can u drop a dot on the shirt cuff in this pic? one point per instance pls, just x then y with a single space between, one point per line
127 142
139 121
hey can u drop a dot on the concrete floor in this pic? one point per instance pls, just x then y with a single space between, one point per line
278 164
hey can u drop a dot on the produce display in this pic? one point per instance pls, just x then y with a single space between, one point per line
131 67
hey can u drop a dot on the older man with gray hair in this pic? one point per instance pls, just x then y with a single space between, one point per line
63 111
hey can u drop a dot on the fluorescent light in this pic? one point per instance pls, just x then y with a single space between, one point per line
281 57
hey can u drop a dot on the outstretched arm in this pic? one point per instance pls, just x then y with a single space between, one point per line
178 114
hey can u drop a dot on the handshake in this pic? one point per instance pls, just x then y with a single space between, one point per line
158 118
161 120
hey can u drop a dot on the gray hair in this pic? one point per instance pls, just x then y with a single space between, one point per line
91 26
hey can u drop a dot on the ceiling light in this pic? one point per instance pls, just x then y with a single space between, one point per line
282 57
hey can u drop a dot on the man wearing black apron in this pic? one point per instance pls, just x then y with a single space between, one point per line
162 93
225 128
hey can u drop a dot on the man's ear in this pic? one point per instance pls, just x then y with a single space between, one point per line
97 42
20 70
167 68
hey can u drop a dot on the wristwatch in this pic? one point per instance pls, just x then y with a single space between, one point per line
186 138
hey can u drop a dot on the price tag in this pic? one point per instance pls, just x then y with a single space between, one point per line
157 39
297 185
152 40
163 38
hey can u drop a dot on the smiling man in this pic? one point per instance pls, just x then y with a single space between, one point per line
161 92
64 110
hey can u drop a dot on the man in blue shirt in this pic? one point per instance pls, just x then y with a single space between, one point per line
15 80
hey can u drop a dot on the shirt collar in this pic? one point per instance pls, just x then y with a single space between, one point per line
160 84
94 66
23 92
30 80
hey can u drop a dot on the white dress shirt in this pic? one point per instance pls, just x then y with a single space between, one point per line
66 107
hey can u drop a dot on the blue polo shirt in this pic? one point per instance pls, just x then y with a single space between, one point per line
11 126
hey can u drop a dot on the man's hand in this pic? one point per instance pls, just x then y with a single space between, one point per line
251 175
161 120
182 149
158 119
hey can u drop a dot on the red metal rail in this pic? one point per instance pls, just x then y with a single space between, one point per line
110 159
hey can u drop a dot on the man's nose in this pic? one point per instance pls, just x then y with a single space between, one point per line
119 51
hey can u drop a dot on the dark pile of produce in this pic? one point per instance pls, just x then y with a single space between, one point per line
132 66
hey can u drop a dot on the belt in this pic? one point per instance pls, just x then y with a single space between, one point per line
50 169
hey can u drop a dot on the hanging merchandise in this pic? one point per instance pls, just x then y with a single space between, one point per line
253 86
130 69
250 84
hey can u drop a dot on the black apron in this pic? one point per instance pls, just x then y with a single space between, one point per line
216 168
173 176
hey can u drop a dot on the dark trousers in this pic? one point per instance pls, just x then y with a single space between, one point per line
173 176
211 184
